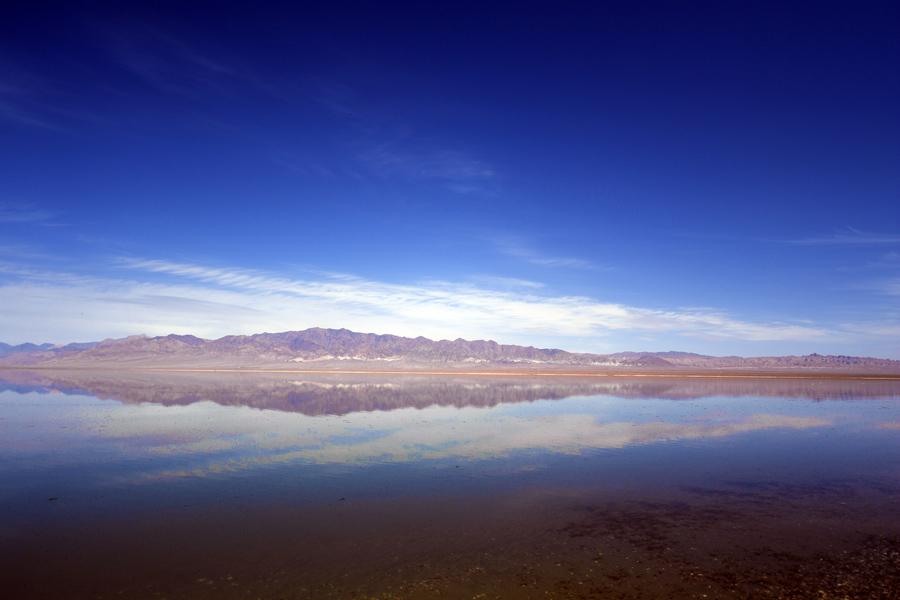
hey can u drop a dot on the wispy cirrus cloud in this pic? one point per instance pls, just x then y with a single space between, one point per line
388 146
162 60
506 282
23 251
456 170
889 286
24 213
23 97
518 248
15 112
851 237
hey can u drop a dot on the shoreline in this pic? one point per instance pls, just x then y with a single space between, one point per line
654 374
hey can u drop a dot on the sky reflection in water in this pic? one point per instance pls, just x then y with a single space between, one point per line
45 429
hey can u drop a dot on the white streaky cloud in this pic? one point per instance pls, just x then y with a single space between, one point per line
486 310
163 297
888 328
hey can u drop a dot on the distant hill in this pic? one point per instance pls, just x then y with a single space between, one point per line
342 349
7 350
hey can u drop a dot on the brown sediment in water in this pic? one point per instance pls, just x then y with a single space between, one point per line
746 541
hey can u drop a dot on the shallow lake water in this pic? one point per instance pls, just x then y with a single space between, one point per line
303 485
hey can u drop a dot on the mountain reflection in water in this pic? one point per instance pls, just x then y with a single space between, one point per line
337 394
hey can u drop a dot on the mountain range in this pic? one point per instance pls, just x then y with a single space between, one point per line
341 349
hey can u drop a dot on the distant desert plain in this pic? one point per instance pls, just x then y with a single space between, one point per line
341 350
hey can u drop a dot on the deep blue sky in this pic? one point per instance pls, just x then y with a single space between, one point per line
720 177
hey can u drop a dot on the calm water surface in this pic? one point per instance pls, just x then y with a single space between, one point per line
151 485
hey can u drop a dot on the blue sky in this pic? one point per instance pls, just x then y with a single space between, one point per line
722 178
